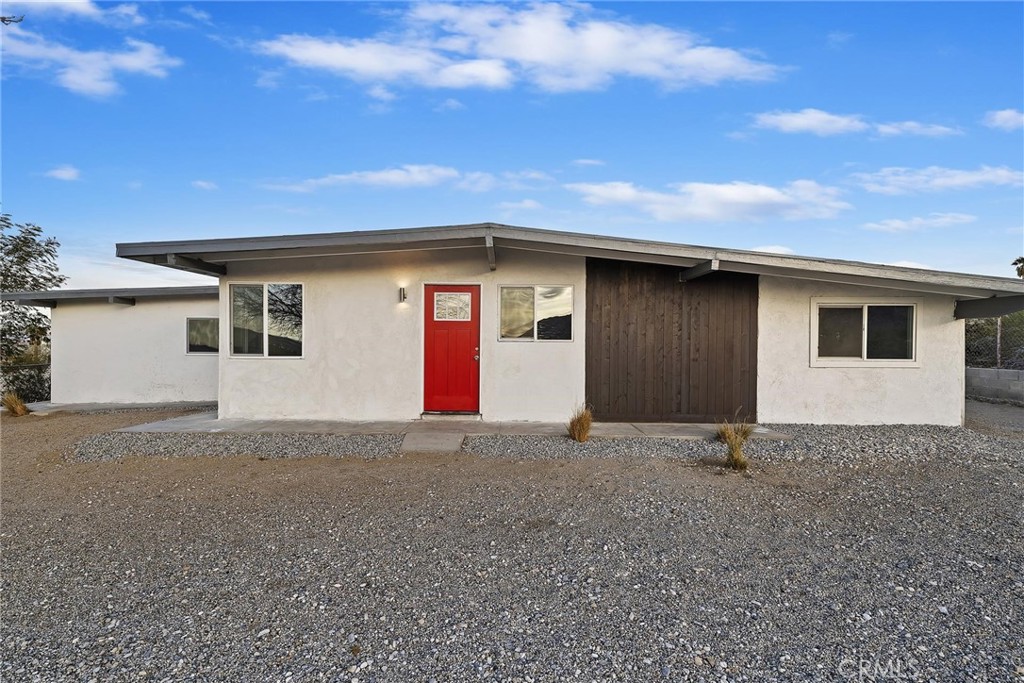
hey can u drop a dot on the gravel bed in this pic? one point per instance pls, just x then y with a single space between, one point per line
833 444
114 445
837 445
551 570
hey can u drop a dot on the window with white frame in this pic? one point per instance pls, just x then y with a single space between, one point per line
203 335
535 313
453 306
877 333
266 320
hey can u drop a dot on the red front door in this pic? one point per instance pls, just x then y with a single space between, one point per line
451 354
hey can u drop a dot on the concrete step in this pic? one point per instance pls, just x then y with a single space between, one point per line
451 417
432 442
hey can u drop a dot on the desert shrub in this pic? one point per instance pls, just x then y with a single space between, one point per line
14 405
734 435
30 382
579 424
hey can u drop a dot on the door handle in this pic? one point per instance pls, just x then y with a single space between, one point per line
476 357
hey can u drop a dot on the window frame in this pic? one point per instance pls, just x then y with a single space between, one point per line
534 339
266 318
863 362
189 319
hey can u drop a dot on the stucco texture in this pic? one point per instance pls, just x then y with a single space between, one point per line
363 350
112 353
789 390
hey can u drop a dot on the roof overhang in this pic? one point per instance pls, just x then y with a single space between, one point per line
215 256
120 297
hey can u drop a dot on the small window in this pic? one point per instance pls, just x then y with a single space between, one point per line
871 334
203 335
536 313
266 320
453 306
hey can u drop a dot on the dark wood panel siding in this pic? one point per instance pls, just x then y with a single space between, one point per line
659 350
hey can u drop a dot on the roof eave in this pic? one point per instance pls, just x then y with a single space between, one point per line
50 298
211 256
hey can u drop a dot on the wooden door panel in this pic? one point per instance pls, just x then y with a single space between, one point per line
662 350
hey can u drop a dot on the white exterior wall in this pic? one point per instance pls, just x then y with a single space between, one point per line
363 350
111 353
789 390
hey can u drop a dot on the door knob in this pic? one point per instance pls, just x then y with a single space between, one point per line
476 357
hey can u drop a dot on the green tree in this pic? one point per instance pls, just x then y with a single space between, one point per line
28 263
1019 262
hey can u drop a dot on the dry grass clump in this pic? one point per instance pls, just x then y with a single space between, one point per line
734 435
14 405
579 424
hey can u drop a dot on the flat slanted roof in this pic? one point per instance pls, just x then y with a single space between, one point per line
212 257
123 296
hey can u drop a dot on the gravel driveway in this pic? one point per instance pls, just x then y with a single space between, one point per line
819 566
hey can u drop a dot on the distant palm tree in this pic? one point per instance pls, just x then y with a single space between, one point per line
1019 262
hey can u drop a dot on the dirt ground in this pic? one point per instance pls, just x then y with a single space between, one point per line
995 419
35 471
33 467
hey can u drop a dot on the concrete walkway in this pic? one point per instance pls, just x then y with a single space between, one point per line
431 435
48 408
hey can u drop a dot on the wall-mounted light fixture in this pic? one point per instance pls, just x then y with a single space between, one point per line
401 295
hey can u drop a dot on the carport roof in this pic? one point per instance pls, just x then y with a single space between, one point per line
214 256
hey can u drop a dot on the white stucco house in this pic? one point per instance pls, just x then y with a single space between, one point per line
143 345
510 323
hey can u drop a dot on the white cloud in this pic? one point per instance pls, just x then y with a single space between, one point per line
126 14
63 172
93 72
450 104
774 249
823 123
563 47
315 93
909 264
587 162
932 220
838 38
528 174
423 175
374 60
555 47
1004 119
408 175
477 181
896 180
197 14
379 92
88 268
269 79
205 185
717 202
932 130
809 120
525 205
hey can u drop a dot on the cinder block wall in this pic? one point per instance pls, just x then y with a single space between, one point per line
1006 385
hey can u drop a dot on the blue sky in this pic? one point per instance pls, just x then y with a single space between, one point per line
884 132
